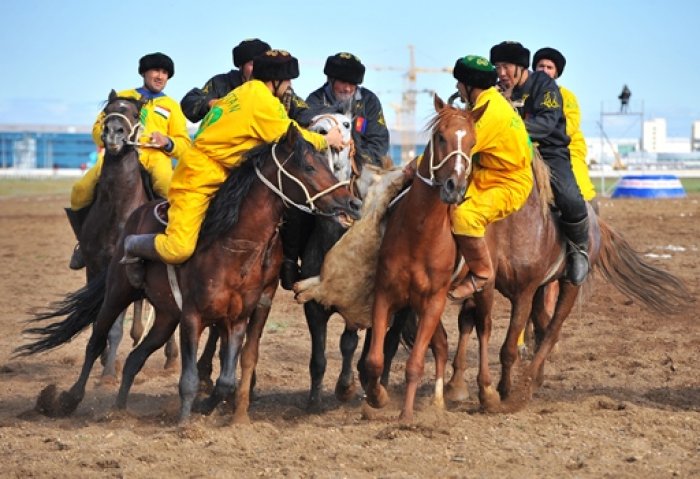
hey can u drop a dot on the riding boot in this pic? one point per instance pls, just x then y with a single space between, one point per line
476 254
75 218
294 237
577 264
136 249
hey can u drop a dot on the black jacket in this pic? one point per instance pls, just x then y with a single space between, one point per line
370 134
543 113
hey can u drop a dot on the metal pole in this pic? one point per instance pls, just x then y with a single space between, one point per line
602 163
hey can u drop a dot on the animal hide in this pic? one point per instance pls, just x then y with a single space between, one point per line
347 276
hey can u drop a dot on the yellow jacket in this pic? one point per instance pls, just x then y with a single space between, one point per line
248 116
577 147
502 177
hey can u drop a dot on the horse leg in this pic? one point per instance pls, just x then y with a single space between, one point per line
521 308
137 328
68 401
345 387
109 355
393 339
317 322
249 357
427 325
231 340
488 396
171 353
206 360
377 396
163 328
438 345
190 330
456 388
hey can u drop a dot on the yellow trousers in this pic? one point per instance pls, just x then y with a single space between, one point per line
156 163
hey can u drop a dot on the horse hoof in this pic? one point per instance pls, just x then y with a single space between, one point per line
343 392
170 364
240 418
377 398
490 399
456 392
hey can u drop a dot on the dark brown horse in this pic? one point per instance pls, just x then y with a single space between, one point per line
123 186
229 282
417 253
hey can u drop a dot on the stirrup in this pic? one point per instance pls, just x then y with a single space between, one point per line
130 259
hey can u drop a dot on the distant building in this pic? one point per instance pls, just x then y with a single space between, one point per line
45 146
695 137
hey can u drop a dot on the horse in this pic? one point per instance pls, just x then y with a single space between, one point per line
229 281
123 186
417 253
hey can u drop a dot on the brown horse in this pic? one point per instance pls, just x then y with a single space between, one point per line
123 186
528 251
417 253
231 277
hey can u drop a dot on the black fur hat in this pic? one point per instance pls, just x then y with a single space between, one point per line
247 50
510 52
475 71
157 60
275 65
345 67
550 54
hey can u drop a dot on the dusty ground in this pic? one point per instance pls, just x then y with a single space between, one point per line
620 399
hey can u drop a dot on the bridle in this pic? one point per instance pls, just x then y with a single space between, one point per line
312 208
135 130
458 153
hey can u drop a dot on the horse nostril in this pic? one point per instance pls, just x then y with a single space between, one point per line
356 205
450 185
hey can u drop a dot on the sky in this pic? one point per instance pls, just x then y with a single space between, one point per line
62 57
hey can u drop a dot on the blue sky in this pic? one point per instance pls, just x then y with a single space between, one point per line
61 57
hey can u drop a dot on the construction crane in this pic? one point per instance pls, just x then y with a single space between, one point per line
406 111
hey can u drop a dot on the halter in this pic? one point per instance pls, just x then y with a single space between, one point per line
458 152
312 209
350 143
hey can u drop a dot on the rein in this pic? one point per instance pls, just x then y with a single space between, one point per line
312 209
135 130
458 152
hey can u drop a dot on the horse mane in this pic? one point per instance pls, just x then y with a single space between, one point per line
448 111
542 183
132 100
224 209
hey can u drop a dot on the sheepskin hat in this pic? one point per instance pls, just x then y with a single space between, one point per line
157 60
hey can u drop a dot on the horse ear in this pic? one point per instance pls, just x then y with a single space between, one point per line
290 138
112 96
476 114
439 104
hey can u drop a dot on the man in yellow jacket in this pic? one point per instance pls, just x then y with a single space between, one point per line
502 177
248 116
552 62
164 130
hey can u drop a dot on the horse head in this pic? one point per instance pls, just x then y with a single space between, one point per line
121 124
304 178
342 162
447 162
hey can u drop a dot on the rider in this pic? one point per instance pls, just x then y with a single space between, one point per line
197 102
164 129
224 136
539 102
552 62
341 92
502 176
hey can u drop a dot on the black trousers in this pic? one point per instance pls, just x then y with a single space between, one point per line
295 232
567 195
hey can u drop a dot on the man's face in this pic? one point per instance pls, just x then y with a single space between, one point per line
508 74
283 86
155 79
548 67
462 89
247 70
343 90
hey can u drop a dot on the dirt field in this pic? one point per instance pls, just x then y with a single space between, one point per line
621 398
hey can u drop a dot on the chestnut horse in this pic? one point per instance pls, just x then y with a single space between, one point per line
417 254
229 282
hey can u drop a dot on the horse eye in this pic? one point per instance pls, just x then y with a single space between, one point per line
346 125
309 168
323 131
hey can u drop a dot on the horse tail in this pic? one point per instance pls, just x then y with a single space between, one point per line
622 266
542 183
80 307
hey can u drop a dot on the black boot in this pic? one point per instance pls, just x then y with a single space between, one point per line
75 218
136 249
577 264
295 233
